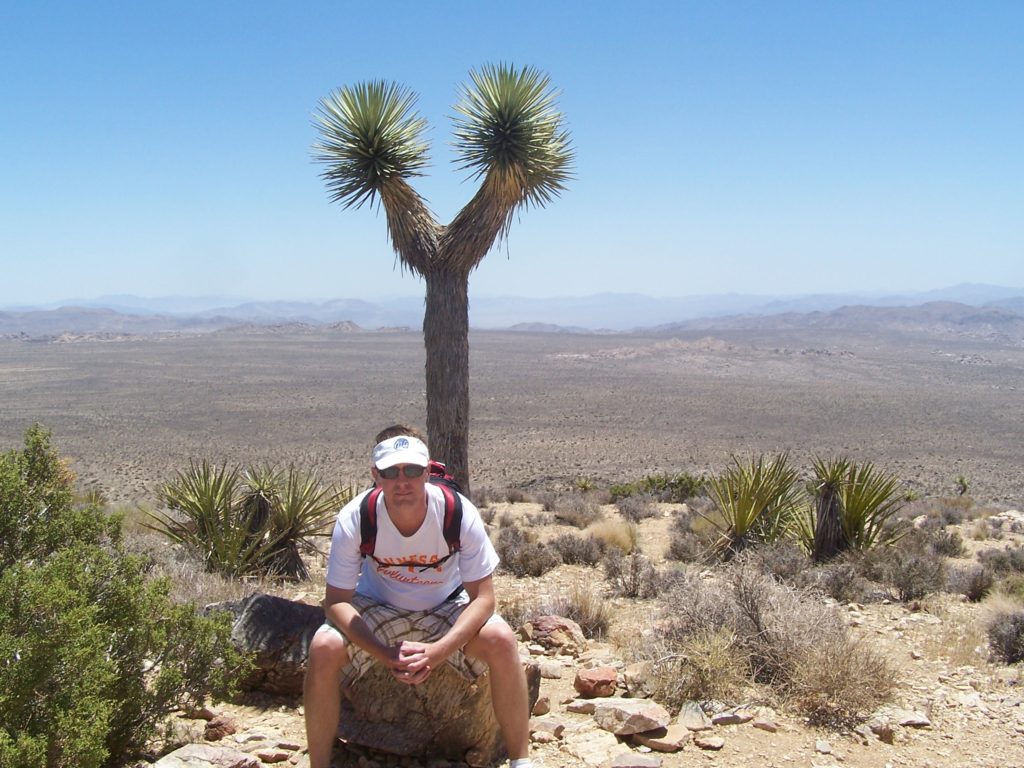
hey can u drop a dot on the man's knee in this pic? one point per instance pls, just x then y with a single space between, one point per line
327 653
494 644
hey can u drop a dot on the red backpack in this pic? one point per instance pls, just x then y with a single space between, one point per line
437 474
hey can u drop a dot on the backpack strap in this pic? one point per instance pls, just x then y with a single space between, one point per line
368 522
452 527
452 518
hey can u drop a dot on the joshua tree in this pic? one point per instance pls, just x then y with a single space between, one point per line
509 134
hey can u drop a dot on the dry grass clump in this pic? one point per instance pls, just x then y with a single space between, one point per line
1006 635
577 511
586 606
706 665
631 575
615 534
782 637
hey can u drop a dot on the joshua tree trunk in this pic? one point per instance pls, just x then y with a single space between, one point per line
446 338
828 528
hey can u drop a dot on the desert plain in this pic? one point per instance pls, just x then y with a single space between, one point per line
547 409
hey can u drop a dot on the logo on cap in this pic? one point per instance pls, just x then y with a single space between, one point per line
401 443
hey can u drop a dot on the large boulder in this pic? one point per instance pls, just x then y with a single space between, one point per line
445 717
277 632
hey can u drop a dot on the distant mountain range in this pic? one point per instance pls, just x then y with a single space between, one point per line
994 307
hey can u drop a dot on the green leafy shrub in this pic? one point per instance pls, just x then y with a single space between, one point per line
1006 636
94 654
259 522
663 487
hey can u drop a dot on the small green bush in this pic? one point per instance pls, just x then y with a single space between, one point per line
95 655
663 487
1006 636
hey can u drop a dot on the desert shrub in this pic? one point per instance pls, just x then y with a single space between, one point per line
981 530
548 501
97 654
482 497
855 508
487 514
662 487
756 502
783 636
578 550
615 534
973 582
630 575
577 511
517 610
523 556
1006 636
1012 586
841 581
507 520
947 543
636 508
586 607
783 560
704 665
911 568
258 522
1003 561
515 496
685 546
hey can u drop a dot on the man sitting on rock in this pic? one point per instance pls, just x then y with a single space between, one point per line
410 577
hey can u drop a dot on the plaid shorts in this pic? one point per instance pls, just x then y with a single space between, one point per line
392 625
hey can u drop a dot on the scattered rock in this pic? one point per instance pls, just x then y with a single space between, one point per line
734 717
712 743
636 679
551 670
692 717
822 747
207 756
596 682
272 755
628 716
672 738
219 727
764 724
633 760
555 633
543 705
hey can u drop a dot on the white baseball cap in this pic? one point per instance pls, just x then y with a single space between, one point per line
400 450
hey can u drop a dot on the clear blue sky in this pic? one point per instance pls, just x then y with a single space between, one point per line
163 148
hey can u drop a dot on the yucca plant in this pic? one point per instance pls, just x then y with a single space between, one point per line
828 538
854 504
259 523
755 501
510 135
304 509
210 520
870 499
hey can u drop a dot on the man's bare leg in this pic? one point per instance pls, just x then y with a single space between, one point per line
321 695
497 646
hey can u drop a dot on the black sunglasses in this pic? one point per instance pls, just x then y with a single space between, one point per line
409 470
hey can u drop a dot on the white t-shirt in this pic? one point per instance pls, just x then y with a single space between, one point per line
410 587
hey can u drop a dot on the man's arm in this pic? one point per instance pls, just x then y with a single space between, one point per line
420 659
339 609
